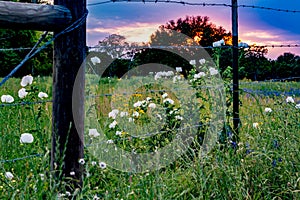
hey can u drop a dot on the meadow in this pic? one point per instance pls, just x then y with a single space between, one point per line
264 164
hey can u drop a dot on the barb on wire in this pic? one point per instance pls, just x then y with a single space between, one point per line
22 158
25 103
32 53
268 8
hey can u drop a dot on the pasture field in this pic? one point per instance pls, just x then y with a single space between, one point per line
265 164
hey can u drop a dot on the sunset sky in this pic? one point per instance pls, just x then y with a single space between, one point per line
137 21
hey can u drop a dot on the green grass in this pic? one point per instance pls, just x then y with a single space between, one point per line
266 164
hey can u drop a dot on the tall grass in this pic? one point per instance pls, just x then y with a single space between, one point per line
265 164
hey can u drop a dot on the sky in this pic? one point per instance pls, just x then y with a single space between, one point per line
137 21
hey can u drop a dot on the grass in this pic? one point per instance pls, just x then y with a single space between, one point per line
265 165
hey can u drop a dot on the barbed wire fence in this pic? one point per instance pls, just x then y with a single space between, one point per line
35 50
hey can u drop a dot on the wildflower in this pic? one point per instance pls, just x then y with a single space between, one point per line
157 76
118 133
135 114
170 101
275 144
255 125
42 95
95 60
297 106
109 142
113 114
290 100
164 95
178 69
159 116
72 173
233 144
202 61
169 73
26 138
268 110
96 197
113 124
152 105
26 80
9 175
102 165
148 99
22 93
68 193
178 117
199 75
93 133
137 104
130 119
176 78
192 62
94 163
7 99
123 114
81 161
213 71
42 176
219 43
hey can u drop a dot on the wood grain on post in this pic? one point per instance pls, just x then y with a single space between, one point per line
67 131
31 16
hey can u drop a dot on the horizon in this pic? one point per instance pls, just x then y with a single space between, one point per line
137 21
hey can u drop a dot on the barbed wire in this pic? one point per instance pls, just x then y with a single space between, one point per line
194 4
21 158
25 103
33 52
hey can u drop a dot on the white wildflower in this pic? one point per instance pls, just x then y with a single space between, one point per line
26 80
135 114
297 106
81 161
42 176
178 69
123 114
170 101
113 124
102 165
22 93
113 114
137 104
7 99
130 119
192 62
255 125
118 133
213 71
95 60
152 105
164 95
202 61
176 78
26 138
42 95
109 142
199 75
94 163
268 110
9 175
72 173
93 133
178 117
169 73
290 100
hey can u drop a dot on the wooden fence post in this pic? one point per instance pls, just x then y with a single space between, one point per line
67 140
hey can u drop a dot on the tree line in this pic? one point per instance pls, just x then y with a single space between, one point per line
120 57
